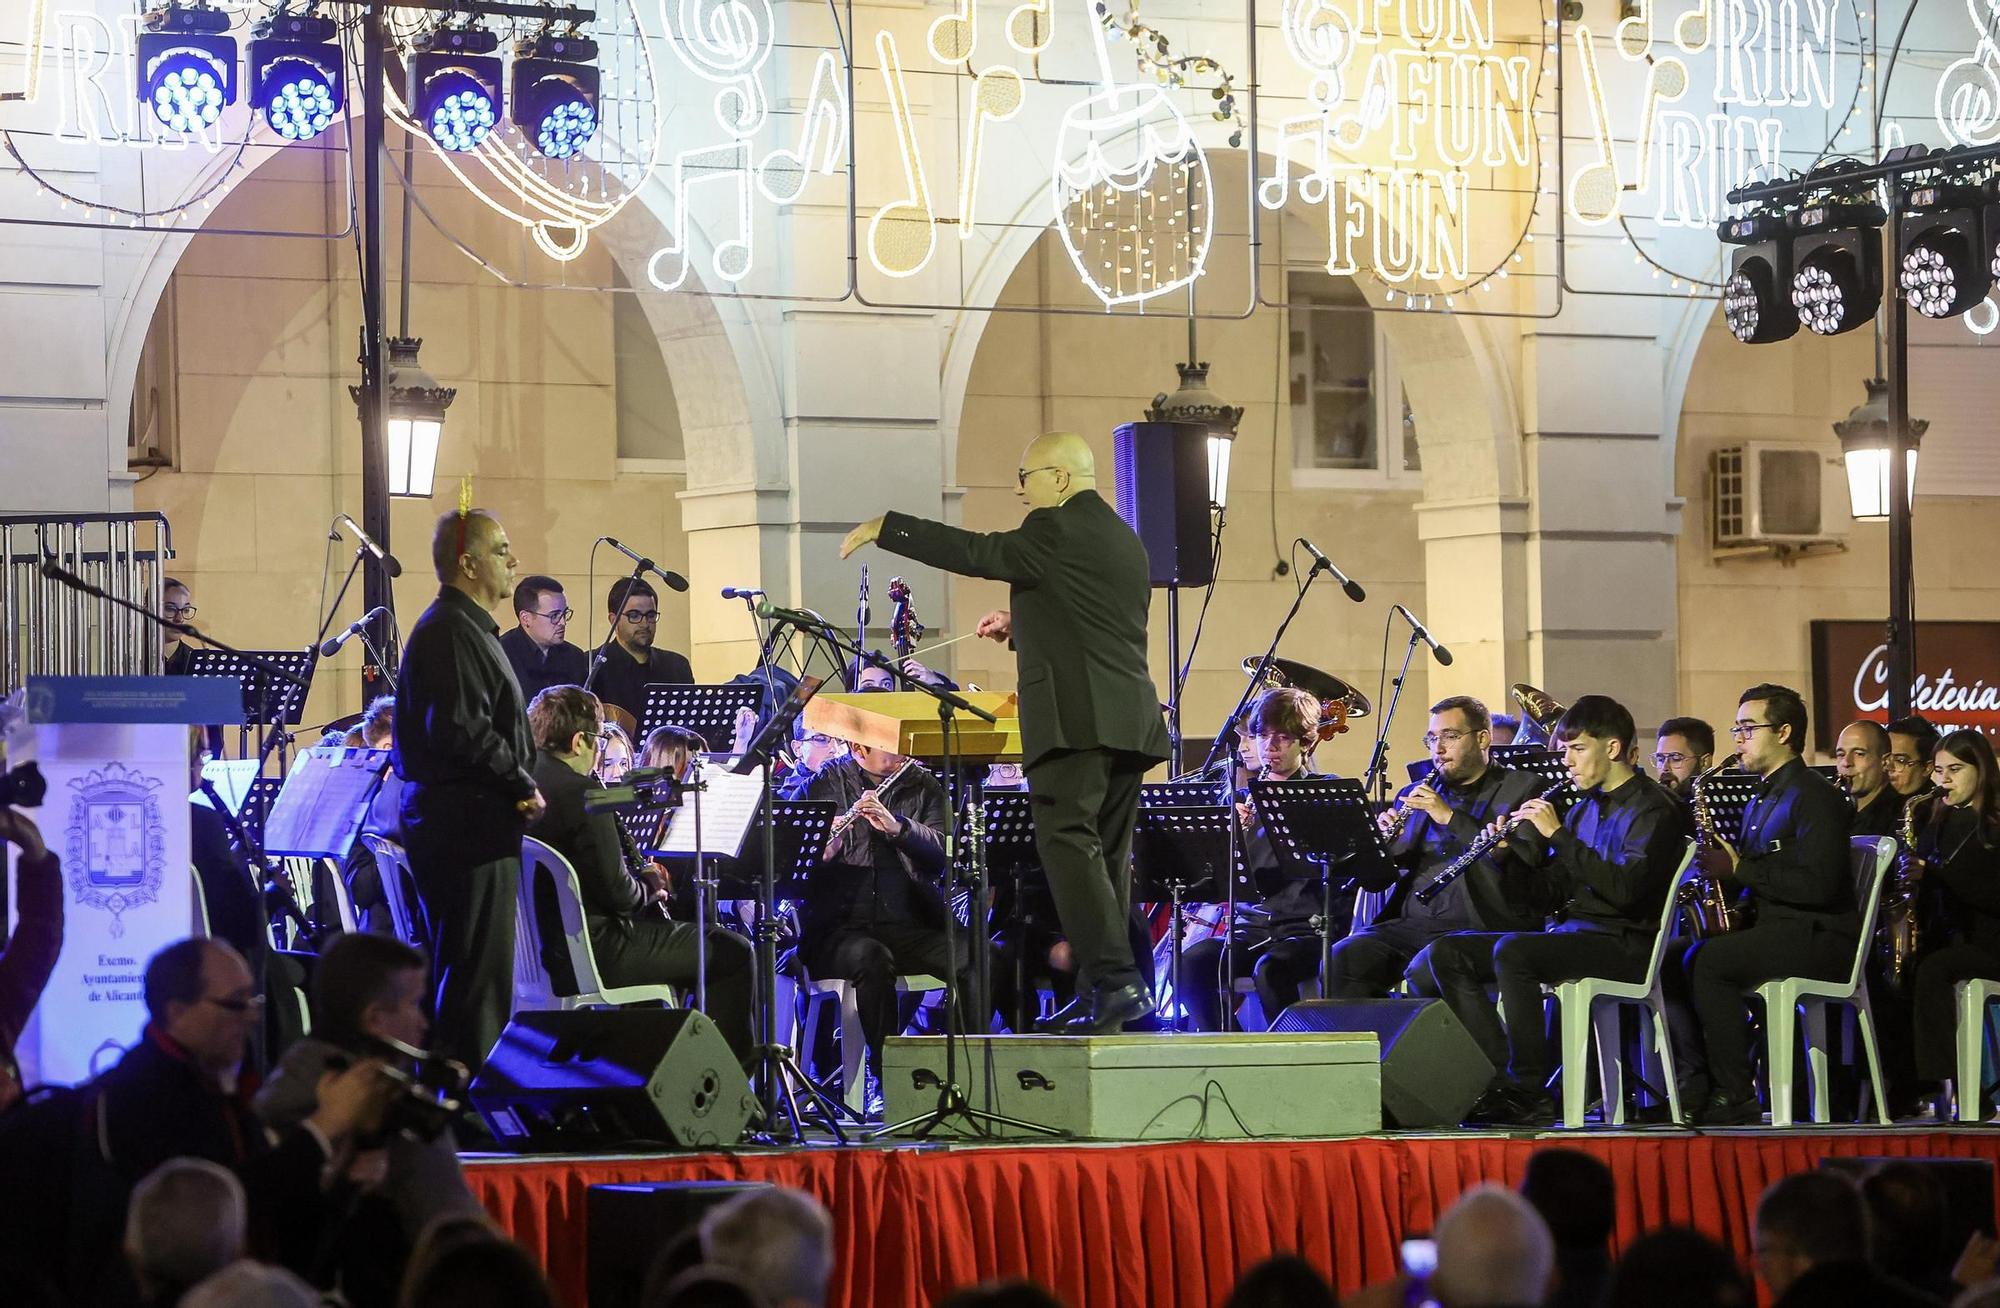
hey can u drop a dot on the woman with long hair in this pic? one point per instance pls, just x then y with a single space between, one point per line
1958 848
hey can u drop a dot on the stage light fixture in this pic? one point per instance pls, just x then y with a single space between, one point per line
1836 264
1946 268
454 86
554 93
187 70
1757 298
297 77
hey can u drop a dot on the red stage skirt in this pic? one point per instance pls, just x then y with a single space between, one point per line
1173 1224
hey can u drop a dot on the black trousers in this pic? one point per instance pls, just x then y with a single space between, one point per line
1369 963
1937 1007
1709 1015
872 957
1461 966
1279 967
653 951
1085 803
470 908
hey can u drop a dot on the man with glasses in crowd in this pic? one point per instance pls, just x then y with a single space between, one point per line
1793 859
1912 743
1440 817
541 655
628 662
1684 749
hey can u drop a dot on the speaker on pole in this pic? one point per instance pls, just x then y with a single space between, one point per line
1432 1068
1163 495
608 1078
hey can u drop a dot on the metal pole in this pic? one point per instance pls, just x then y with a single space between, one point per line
1902 627
375 587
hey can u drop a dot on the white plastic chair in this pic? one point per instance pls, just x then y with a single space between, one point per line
1974 996
853 1045
1785 998
1590 1006
392 862
532 985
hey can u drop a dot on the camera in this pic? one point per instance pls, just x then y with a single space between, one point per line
23 787
433 1087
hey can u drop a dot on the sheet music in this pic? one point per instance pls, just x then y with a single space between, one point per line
231 778
729 804
319 810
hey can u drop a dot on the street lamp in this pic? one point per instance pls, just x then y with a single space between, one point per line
413 405
1865 444
1195 404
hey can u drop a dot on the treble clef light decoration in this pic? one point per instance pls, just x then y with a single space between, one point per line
1968 92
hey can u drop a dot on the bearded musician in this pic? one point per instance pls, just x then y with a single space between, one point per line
1275 942
1958 853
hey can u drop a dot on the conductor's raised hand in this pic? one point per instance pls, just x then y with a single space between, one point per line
997 625
866 534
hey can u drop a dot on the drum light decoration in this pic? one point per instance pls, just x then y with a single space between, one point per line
297 75
187 68
554 92
454 90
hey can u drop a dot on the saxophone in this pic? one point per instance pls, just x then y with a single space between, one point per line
1478 849
1899 931
1705 900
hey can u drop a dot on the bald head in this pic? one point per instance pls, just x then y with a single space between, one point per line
1054 467
1492 1249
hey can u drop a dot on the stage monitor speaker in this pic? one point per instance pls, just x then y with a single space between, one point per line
1432 1069
607 1078
1163 496
633 1226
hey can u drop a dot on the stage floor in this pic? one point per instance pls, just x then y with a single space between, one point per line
1160 1224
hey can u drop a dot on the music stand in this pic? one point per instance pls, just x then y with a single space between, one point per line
709 711
319 805
1538 759
1178 851
268 700
1314 823
257 801
1726 795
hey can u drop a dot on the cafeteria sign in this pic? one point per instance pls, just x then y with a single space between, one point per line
1957 681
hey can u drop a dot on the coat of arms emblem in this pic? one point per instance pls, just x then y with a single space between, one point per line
116 856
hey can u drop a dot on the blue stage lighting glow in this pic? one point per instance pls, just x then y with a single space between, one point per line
187 91
297 99
566 128
461 113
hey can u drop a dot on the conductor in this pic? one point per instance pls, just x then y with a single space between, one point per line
1090 715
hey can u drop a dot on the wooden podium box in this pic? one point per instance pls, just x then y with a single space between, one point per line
906 722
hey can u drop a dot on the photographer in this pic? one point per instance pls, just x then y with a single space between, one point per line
31 955
370 988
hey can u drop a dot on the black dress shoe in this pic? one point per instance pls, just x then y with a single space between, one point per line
1492 1101
1111 1010
1513 1105
1721 1110
1055 1023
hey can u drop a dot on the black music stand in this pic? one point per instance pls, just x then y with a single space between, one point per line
1727 795
1316 824
1007 824
268 700
709 711
1178 852
1538 759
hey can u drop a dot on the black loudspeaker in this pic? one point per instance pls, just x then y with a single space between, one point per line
634 1226
606 1078
1432 1069
1163 496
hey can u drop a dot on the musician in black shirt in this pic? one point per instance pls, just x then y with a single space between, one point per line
1958 839
463 749
1794 858
628 661
1611 860
1442 819
537 648
1861 758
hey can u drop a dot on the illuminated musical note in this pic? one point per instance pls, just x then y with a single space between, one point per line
1029 27
670 264
1634 34
1691 32
726 42
996 97
902 235
1593 191
1275 190
1667 80
953 36
783 174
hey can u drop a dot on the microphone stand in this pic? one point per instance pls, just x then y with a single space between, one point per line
611 636
1377 780
1216 748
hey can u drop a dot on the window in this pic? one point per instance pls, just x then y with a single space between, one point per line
152 430
1351 420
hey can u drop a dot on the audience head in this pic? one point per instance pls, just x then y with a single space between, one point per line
541 610
1575 1194
1912 745
1861 756
184 1223
369 985
671 746
780 1240
378 722
614 754
1770 727
471 552
1683 750
1282 1281
1458 736
566 721
199 993
1493 1249
1673 1267
1804 1220
251 1285
1986 1294
480 1270
1504 728
1596 737
1907 1217
633 608
1963 768
706 1287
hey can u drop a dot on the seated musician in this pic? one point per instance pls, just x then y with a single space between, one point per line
1683 749
875 911
1794 861
873 676
1440 817
1611 858
383 817
614 755
629 661
1913 743
634 943
1958 845
1275 942
811 751
1861 757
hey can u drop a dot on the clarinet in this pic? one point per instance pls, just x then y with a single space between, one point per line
1478 849
1399 812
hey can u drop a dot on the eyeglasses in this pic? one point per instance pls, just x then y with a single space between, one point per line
1904 760
1021 476
1435 738
254 1004
641 617
175 612
1745 730
560 615
1671 760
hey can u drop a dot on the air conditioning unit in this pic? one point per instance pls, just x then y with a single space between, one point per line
1767 493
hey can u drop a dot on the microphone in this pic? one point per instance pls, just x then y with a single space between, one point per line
1442 654
740 592
354 628
1321 563
388 560
674 580
797 617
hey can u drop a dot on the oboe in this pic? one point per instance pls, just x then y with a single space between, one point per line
1399 812
1478 849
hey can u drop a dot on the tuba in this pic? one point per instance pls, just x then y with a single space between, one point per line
1540 712
1338 701
1705 900
1899 930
